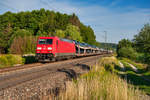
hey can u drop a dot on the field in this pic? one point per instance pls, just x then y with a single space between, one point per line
104 82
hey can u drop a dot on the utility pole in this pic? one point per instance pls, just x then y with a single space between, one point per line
105 39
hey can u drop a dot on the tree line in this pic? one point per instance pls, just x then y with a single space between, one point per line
137 49
19 31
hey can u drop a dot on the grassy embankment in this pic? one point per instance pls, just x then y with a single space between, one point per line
102 83
140 78
10 60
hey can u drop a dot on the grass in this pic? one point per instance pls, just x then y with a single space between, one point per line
138 65
10 60
141 78
101 83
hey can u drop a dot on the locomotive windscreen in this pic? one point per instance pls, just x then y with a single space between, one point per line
45 41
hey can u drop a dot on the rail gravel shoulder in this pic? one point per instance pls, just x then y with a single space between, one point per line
40 82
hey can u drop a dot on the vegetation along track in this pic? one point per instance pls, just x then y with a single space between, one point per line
13 78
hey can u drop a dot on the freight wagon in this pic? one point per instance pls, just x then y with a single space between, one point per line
55 48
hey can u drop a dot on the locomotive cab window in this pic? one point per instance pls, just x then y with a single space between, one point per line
45 41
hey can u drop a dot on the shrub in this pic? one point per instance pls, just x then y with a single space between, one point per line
140 57
3 61
109 67
108 60
26 44
144 58
147 58
10 60
127 52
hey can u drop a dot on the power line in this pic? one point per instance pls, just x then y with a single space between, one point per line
105 39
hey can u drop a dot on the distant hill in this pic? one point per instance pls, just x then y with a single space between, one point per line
110 46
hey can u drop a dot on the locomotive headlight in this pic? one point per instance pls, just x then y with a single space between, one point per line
49 48
39 48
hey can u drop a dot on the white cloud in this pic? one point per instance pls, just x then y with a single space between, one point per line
115 2
119 24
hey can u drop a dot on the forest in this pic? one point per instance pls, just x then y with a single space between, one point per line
19 31
137 49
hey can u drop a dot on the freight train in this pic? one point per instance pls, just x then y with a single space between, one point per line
55 48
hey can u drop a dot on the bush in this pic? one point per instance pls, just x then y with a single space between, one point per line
3 61
144 58
109 67
140 57
147 58
108 63
127 52
26 44
10 60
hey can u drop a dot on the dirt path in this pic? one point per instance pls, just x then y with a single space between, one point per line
133 67
121 64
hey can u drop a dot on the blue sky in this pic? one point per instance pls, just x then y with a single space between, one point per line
120 18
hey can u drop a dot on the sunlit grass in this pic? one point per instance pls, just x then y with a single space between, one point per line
10 60
138 65
101 83
140 78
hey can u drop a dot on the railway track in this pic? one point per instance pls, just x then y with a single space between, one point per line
20 67
2 70
13 77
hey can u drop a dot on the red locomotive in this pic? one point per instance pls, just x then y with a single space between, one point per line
54 48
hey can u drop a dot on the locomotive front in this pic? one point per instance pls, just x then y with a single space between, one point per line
45 48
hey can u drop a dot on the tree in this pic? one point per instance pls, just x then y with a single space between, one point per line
142 39
127 52
42 23
74 20
5 36
22 33
87 34
60 33
142 43
72 32
124 43
26 44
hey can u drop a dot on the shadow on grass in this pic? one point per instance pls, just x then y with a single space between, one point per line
134 78
83 66
118 68
70 73
141 71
